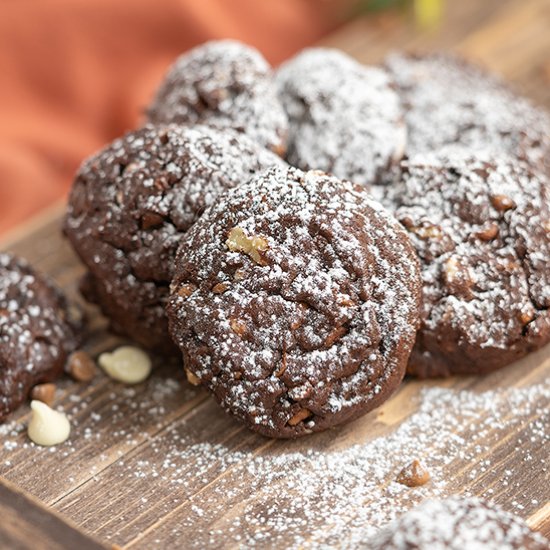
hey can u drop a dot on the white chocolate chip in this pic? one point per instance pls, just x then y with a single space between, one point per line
47 427
126 364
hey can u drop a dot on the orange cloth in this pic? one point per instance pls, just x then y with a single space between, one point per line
74 74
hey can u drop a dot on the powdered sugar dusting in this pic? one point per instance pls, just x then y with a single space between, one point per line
332 495
449 102
323 324
224 84
36 331
130 205
481 226
322 491
457 524
345 118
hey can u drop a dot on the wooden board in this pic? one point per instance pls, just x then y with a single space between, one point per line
122 478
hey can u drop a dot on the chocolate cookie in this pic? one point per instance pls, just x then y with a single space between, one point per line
451 102
345 118
295 300
481 227
131 203
38 330
224 84
457 523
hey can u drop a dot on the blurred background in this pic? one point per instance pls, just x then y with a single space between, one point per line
77 73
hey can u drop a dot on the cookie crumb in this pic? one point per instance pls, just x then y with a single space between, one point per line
413 475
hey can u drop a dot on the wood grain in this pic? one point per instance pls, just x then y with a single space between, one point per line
28 525
103 479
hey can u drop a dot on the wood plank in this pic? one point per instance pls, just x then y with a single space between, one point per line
28 525
159 465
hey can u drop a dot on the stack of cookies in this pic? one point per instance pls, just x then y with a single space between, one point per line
306 236
240 225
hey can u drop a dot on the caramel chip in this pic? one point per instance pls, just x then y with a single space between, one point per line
413 475
488 232
502 202
44 393
81 366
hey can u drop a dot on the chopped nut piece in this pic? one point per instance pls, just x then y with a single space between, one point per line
526 316
488 233
413 475
457 277
81 366
426 232
240 274
280 371
150 220
47 427
502 202
238 327
127 364
186 290
451 269
44 393
220 288
254 247
302 414
192 378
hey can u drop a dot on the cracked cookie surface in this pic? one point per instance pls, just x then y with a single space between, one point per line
131 203
224 84
344 118
38 331
295 300
481 227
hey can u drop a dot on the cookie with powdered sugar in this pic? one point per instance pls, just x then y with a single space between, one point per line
224 84
457 523
450 102
130 205
344 118
38 331
481 227
295 300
